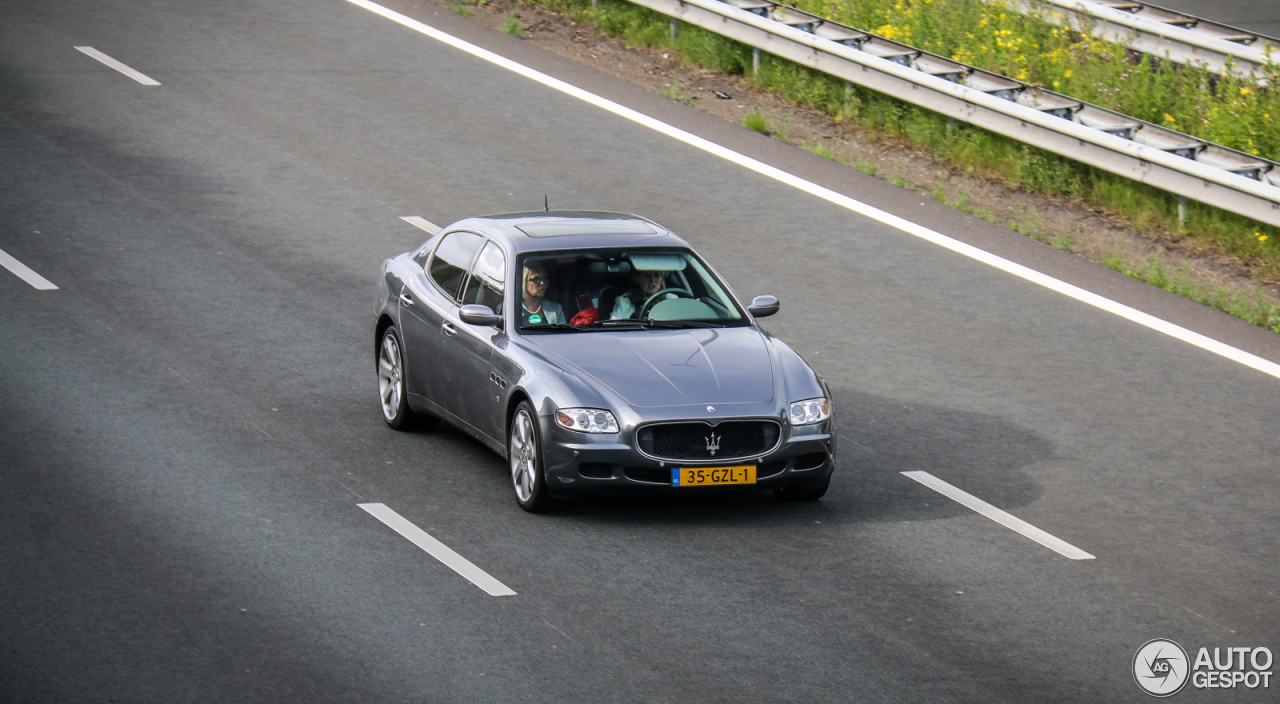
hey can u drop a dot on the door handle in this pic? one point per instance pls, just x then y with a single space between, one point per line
448 329
406 299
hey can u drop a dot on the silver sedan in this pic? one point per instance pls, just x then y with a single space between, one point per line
597 352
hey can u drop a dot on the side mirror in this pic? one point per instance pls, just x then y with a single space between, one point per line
475 314
764 306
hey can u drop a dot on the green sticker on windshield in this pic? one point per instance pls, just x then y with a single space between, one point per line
535 319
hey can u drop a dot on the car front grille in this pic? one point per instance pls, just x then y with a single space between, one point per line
696 440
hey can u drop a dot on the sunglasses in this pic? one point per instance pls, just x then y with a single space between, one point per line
538 280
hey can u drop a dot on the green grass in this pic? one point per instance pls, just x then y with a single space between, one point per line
511 25
754 120
819 149
673 90
1250 304
1027 220
1038 49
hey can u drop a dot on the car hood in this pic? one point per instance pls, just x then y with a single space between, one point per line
671 367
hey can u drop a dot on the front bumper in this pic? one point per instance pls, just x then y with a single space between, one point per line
580 463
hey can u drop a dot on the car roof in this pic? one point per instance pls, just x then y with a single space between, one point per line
569 229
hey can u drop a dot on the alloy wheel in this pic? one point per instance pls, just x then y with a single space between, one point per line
390 377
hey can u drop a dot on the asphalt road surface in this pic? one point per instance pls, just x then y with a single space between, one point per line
189 422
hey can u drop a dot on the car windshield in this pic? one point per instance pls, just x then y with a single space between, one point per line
621 289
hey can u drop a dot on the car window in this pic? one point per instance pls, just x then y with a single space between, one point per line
617 288
453 256
486 284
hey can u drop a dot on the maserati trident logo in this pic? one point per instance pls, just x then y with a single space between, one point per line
713 443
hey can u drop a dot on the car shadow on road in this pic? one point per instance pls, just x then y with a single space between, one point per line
879 438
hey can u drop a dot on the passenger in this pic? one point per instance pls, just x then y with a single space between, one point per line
537 309
643 285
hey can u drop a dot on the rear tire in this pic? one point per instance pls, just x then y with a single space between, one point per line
802 493
524 458
392 388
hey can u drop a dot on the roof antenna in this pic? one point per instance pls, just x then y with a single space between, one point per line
546 206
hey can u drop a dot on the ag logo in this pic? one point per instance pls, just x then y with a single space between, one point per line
1160 667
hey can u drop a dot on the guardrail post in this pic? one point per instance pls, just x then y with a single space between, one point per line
1182 213
595 6
675 28
755 61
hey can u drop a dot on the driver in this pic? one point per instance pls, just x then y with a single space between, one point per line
536 308
643 285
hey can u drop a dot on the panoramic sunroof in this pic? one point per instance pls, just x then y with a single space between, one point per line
594 227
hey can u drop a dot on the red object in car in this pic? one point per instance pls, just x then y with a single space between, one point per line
586 316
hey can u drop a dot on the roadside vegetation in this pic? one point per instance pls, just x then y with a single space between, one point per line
1234 112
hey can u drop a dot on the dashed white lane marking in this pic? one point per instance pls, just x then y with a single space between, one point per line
430 227
131 73
25 273
1015 524
438 550
1162 326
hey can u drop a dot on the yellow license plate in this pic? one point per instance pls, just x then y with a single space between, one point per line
710 476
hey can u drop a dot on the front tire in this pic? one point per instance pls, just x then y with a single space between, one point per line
524 457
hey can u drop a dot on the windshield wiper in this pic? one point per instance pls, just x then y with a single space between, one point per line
557 327
675 324
625 323
666 324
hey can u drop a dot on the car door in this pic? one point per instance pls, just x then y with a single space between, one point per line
473 384
428 298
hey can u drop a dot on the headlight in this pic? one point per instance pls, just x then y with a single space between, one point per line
814 410
587 420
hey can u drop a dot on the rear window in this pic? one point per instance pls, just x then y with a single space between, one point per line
595 227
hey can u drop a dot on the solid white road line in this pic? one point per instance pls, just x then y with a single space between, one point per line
1093 299
131 73
438 550
1015 524
25 273
418 222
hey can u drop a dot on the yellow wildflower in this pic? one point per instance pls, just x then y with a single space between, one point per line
1067 74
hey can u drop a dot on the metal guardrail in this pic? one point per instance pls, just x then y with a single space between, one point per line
1166 33
1145 152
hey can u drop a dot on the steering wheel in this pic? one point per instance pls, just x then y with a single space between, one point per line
653 300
